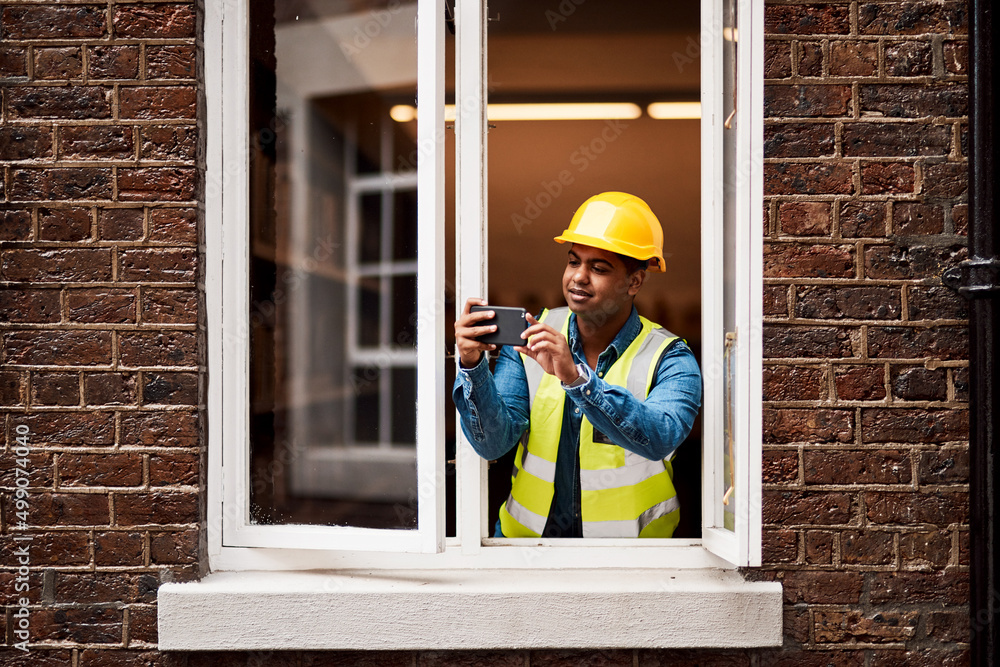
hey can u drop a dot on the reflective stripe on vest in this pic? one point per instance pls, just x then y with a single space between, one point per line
622 494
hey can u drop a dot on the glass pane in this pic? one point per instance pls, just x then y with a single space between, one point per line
726 491
333 416
635 54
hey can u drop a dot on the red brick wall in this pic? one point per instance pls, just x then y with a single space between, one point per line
865 377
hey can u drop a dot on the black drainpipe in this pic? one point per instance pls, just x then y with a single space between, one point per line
978 279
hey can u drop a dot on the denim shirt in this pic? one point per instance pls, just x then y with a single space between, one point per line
495 411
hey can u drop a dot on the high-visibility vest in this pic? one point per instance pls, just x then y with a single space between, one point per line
622 493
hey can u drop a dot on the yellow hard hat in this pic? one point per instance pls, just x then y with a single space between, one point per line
621 223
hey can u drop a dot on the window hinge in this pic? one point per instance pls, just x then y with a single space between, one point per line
974 277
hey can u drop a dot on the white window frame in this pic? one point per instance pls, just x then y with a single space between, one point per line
699 581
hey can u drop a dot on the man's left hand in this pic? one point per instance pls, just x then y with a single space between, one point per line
550 349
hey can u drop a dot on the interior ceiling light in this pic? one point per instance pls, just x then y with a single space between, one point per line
404 113
674 110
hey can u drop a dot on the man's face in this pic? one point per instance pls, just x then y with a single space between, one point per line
596 284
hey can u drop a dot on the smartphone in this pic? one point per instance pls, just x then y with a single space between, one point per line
510 323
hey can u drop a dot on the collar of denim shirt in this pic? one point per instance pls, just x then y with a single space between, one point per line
620 343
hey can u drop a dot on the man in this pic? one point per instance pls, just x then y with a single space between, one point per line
599 397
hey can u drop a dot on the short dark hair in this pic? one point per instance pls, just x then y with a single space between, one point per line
632 264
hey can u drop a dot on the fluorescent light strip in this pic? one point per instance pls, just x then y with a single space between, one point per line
404 113
674 110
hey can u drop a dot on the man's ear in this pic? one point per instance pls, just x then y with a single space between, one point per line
635 281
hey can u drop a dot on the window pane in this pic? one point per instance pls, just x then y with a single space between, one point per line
333 270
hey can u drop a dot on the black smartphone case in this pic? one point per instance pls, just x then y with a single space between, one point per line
510 323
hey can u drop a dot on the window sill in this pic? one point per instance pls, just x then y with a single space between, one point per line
469 609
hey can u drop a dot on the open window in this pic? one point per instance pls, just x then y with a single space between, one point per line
337 263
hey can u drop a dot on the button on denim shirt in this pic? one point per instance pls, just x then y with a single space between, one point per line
495 412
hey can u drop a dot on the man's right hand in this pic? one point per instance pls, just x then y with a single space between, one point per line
467 332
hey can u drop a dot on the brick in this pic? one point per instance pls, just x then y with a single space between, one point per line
170 142
62 102
914 425
13 61
15 225
53 21
60 183
558 658
925 550
917 261
100 469
956 57
55 388
948 626
786 425
90 625
780 467
57 348
896 140
160 429
154 20
176 61
174 548
806 100
911 509
911 218
170 389
646 658
856 467
946 465
157 184
949 587
963 547
70 509
792 383
918 342
916 383
118 548
109 389
25 143
823 587
40 472
65 224
789 260
859 383
58 62
112 306
158 265
38 306
909 59
178 226
158 102
864 303
114 62
853 626
804 218
167 348
97 142
810 59
116 657
799 140
777 60
72 428
915 101
169 468
156 508
814 658
11 387
780 546
867 547
169 306
881 178
141 628
12 657
912 18
775 300
807 179
853 58
120 224
960 379
813 342
60 548
946 179
97 587
807 19
960 219
819 547
816 508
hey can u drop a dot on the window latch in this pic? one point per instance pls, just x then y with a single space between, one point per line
974 277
